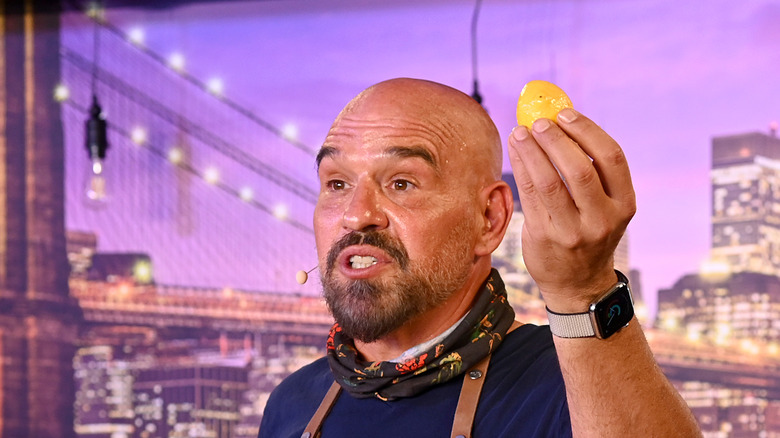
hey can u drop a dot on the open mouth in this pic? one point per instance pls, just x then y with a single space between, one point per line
362 262
364 254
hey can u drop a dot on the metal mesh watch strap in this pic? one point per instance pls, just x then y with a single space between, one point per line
571 325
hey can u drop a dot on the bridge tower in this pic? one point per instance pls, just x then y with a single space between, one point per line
38 317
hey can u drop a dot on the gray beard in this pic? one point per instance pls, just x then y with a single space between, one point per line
367 311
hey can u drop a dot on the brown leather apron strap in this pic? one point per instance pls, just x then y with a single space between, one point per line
463 423
464 413
313 428
469 399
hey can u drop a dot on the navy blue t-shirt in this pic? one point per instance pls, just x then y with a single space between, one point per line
523 396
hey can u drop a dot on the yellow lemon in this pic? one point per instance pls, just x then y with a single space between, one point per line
540 99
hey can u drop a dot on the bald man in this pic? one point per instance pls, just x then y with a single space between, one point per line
411 207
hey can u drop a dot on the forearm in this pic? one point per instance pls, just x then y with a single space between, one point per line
615 388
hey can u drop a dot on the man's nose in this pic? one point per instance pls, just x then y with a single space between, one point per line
364 210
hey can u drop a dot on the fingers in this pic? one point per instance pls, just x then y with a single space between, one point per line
543 194
608 157
574 166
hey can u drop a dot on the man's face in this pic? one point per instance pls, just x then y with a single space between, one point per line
395 220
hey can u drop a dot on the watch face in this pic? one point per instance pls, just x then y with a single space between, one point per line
614 311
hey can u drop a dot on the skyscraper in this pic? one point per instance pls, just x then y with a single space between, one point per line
738 296
730 311
746 202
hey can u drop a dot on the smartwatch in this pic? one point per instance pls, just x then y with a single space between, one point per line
605 316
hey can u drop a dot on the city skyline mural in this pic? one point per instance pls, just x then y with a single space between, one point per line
184 243
661 83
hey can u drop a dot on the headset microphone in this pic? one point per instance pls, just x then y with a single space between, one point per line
301 276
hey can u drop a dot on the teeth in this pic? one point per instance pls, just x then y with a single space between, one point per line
360 262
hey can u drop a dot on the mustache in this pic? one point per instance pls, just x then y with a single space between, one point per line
392 247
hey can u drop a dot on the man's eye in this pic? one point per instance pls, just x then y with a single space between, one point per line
336 184
402 184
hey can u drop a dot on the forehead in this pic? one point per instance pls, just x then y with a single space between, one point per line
393 139
405 129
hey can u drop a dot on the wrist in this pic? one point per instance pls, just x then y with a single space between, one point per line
577 299
605 315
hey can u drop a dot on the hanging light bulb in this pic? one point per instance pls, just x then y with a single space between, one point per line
97 144
96 127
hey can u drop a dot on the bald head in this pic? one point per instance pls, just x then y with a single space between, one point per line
411 206
464 130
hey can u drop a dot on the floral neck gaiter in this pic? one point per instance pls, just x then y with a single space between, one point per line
478 335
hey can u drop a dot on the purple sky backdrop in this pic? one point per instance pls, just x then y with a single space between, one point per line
663 77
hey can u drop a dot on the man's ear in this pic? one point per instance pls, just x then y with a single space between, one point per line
497 203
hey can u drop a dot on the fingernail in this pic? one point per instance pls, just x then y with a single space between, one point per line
541 125
567 115
519 133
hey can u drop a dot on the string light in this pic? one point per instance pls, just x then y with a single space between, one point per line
61 93
290 132
176 61
211 175
175 155
138 136
136 36
246 194
281 212
215 86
